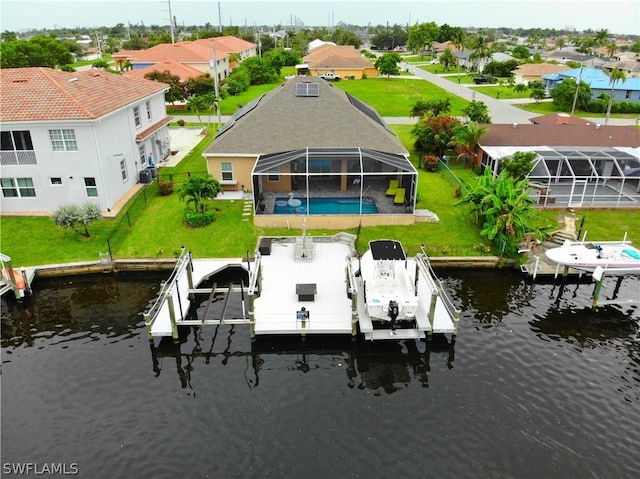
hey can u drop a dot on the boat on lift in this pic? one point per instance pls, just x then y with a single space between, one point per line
389 292
587 256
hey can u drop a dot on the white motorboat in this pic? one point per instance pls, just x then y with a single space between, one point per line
390 294
587 256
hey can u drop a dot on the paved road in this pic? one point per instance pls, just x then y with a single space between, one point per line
500 111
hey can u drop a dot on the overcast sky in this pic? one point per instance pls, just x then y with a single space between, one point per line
617 16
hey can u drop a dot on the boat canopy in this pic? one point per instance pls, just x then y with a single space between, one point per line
387 250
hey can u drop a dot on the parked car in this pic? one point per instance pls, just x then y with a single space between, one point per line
329 76
484 79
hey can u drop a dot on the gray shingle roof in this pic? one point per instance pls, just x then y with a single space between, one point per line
282 121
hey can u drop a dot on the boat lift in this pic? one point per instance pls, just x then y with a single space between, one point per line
171 307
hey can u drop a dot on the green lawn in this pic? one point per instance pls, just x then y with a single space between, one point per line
396 96
502 92
160 231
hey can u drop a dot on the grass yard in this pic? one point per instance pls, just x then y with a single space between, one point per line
160 230
502 92
396 96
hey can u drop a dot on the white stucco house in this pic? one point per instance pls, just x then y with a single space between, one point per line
69 138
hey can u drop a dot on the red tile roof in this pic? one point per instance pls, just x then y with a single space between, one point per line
196 51
336 56
184 72
153 128
43 94
181 52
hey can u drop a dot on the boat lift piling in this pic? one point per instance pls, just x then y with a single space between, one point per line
599 275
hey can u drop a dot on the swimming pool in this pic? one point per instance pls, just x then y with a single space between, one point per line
326 206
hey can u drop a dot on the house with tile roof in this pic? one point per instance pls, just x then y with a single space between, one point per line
310 140
69 138
535 71
577 162
207 55
183 72
343 60
599 81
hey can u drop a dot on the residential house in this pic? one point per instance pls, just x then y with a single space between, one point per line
630 68
566 56
310 140
69 138
343 60
207 55
535 71
599 81
313 44
182 71
577 162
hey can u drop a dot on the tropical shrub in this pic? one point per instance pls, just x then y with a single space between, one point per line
430 163
165 187
502 208
433 133
77 217
197 219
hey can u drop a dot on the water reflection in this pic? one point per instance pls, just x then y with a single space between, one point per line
384 367
78 307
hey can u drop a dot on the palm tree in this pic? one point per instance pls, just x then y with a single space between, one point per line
481 48
197 190
465 139
615 76
457 40
612 48
602 37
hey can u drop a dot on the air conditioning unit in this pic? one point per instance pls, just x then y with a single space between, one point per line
145 176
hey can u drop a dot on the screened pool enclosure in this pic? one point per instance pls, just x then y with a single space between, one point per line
574 177
335 181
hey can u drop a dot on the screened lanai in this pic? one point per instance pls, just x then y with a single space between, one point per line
579 177
334 181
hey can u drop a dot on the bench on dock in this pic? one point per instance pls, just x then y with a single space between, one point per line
306 291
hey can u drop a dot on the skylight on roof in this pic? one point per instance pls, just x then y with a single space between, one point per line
307 89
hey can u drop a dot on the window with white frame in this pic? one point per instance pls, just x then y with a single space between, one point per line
25 187
149 115
91 187
123 169
273 174
56 180
226 168
17 187
63 140
136 116
142 153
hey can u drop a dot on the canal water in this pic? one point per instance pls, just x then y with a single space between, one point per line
535 385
